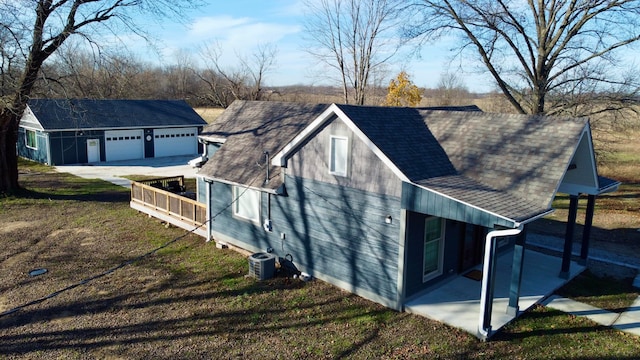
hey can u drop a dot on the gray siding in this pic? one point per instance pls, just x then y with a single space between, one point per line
40 154
211 149
365 170
427 202
335 233
453 231
201 193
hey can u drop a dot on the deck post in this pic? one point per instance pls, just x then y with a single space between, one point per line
568 239
586 232
516 274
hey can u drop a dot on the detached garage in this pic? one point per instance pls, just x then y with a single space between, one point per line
76 131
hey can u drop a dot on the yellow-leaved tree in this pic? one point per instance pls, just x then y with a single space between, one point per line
402 92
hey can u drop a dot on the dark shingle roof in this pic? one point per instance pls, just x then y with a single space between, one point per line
521 157
484 197
401 135
509 165
250 129
73 114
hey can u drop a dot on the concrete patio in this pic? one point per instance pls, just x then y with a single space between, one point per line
457 302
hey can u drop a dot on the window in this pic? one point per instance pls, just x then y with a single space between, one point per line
339 155
32 140
247 205
433 248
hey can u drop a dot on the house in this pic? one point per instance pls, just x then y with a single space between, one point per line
58 132
389 202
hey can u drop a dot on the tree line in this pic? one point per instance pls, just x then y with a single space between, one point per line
558 57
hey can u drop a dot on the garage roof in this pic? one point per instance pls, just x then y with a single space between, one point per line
87 114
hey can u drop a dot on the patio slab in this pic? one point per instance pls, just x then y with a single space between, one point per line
600 316
115 171
629 320
457 302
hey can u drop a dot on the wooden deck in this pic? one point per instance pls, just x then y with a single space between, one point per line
153 198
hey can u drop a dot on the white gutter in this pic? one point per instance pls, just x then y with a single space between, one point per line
486 296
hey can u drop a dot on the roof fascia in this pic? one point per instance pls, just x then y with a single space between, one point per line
611 188
213 139
592 153
265 190
126 128
280 159
586 131
466 203
28 112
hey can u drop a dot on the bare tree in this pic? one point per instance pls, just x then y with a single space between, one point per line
354 37
451 89
242 82
181 81
545 56
33 30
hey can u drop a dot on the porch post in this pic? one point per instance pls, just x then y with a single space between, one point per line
516 274
586 233
568 239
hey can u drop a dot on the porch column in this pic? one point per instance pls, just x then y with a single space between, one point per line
586 232
516 274
568 239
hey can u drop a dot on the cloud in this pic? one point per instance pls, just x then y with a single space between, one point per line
241 32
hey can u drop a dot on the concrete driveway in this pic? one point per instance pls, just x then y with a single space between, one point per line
115 171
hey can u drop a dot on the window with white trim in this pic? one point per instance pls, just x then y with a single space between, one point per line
31 139
247 205
339 155
433 248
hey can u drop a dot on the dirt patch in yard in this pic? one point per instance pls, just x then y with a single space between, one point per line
8 227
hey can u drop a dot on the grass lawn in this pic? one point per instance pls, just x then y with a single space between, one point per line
603 292
191 300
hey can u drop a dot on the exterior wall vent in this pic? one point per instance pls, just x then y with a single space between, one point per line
262 265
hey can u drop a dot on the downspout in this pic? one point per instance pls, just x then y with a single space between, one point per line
488 270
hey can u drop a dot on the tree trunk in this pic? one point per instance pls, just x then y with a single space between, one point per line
8 156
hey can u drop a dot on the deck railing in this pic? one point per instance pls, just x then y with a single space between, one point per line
154 198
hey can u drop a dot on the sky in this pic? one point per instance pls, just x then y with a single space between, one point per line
240 26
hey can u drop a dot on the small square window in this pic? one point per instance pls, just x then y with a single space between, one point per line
31 139
339 155
247 204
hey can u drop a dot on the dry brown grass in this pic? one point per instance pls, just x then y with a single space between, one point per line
209 114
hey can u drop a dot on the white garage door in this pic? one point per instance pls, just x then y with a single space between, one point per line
170 142
124 145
